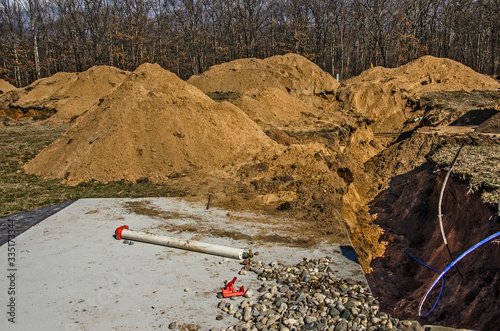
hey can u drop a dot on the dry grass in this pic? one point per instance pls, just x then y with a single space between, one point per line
21 192
479 165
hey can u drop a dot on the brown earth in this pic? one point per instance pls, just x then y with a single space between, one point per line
6 86
154 125
292 141
407 211
290 73
445 107
33 100
63 96
276 108
280 91
388 96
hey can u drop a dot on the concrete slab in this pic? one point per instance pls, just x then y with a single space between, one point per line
69 272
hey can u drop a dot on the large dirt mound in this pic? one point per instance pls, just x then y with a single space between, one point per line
280 91
86 91
386 96
277 108
153 125
5 86
291 73
66 95
36 98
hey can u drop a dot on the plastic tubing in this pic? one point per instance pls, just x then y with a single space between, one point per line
440 215
192 245
442 282
451 266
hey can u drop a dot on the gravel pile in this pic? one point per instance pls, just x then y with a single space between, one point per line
308 296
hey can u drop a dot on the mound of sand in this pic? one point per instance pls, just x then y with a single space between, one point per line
66 95
279 91
6 86
85 92
291 73
383 94
153 125
36 98
276 107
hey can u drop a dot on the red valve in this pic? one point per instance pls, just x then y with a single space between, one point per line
230 290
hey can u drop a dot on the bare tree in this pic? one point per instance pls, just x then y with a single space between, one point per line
12 18
40 37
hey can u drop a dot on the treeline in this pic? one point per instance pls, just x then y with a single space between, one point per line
41 37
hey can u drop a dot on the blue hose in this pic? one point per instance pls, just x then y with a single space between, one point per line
451 266
442 282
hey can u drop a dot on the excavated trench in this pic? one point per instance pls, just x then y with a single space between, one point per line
407 211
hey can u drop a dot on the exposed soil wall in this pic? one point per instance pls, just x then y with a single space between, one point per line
407 211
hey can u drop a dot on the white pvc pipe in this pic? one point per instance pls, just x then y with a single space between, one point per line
440 215
191 245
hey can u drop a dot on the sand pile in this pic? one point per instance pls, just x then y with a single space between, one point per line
36 98
275 107
153 125
6 86
66 95
86 91
278 91
384 95
291 73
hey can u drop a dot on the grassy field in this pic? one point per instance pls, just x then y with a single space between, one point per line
21 192
479 165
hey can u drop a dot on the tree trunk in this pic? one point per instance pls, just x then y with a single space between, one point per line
35 50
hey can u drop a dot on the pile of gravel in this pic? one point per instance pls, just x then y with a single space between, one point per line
308 296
